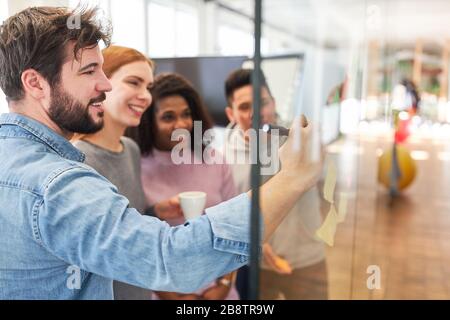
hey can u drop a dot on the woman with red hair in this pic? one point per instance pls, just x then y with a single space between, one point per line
117 157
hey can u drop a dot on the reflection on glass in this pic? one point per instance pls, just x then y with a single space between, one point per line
376 85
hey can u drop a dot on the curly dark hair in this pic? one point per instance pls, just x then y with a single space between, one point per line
169 85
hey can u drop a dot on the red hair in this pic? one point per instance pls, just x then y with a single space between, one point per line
117 56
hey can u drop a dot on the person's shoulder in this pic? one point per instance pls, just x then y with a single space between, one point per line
73 175
94 156
34 168
85 146
130 144
51 166
78 143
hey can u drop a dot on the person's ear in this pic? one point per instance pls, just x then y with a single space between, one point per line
229 113
34 84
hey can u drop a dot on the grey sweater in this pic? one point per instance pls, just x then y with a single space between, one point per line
123 169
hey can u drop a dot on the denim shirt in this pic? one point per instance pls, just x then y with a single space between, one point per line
65 232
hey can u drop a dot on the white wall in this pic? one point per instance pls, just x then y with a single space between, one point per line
18 5
128 23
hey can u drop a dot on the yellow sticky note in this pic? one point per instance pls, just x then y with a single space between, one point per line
330 182
342 209
328 229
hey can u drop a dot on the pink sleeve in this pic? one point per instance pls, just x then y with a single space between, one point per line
229 189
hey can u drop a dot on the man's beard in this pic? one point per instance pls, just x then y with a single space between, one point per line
70 115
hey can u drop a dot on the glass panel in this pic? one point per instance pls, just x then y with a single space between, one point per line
373 78
311 254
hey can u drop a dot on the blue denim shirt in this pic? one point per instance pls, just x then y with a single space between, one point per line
65 232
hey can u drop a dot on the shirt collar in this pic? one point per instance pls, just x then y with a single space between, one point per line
59 144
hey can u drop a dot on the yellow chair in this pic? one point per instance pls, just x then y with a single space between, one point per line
402 174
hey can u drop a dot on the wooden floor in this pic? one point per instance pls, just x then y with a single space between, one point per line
408 239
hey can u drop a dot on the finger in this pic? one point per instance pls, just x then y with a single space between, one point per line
304 121
271 259
306 137
296 131
283 266
280 270
174 203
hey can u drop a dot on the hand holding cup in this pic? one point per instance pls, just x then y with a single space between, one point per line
192 203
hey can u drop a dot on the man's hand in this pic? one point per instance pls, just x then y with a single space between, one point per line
295 154
217 292
297 175
275 262
177 296
222 288
169 209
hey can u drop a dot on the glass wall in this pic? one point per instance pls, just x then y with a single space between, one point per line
375 77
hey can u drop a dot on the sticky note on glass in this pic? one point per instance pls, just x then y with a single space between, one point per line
328 229
330 182
342 209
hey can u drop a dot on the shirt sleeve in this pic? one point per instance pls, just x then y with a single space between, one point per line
84 221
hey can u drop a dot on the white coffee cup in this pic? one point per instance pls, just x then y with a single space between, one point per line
192 203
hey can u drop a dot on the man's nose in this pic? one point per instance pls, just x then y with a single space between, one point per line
104 85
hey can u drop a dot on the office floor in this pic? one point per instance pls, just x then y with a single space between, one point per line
408 238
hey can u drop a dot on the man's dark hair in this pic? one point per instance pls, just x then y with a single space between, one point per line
169 85
240 78
36 38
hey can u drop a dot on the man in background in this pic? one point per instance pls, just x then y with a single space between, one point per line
293 265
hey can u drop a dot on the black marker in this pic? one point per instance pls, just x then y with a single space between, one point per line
281 130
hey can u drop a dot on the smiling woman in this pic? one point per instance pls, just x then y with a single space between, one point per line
177 107
115 157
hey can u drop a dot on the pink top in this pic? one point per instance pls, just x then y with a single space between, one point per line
162 179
